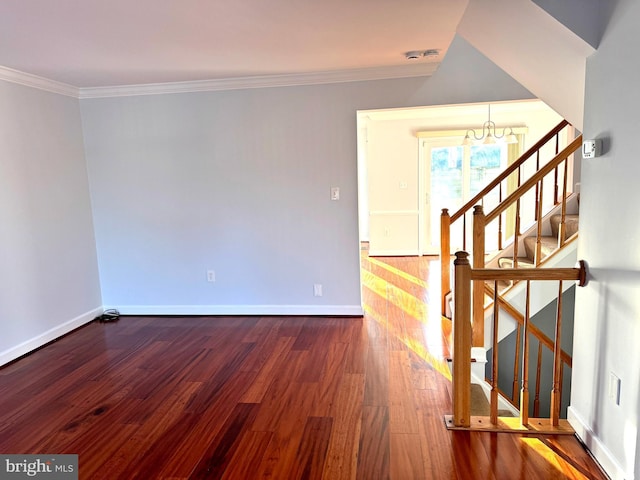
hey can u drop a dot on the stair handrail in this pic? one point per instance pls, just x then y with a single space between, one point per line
509 170
543 340
534 179
480 222
466 278
446 220
519 318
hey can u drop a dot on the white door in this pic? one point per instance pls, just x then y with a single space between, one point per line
452 175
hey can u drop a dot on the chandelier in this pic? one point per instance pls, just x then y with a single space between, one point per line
489 134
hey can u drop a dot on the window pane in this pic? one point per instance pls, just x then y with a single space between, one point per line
446 184
486 164
446 176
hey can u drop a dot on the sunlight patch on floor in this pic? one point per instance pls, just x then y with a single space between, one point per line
398 272
407 302
438 363
563 470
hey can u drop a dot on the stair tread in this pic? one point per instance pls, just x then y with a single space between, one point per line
480 404
548 245
507 262
571 222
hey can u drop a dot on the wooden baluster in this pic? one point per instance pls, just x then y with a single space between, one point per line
445 258
464 232
494 366
536 400
560 391
516 236
538 252
500 218
562 231
555 175
555 186
462 341
516 364
478 286
537 185
557 348
524 394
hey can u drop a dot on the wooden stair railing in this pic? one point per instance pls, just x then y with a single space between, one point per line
480 222
446 220
543 341
466 279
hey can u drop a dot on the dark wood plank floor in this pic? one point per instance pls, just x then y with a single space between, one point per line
268 397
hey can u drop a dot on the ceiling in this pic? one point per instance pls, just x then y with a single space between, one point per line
98 43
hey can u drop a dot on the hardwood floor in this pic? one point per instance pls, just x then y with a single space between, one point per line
268 397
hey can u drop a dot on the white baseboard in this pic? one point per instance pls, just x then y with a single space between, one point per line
601 453
328 310
46 337
393 253
56 332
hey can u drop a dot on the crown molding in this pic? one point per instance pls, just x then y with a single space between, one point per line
264 81
238 83
41 83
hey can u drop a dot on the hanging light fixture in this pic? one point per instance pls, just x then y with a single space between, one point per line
489 135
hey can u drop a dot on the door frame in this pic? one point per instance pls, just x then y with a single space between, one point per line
423 188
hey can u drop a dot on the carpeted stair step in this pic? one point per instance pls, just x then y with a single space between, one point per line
507 262
549 244
570 223
480 404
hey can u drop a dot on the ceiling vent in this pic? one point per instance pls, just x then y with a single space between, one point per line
416 54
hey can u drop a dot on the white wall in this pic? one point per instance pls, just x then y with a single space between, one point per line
48 269
608 308
239 182
583 17
538 51
465 76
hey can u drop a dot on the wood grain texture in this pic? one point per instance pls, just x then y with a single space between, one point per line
268 397
374 448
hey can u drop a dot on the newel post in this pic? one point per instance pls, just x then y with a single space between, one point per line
445 258
478 287
462 341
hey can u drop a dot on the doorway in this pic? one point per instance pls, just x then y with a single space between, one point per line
393 188
451 175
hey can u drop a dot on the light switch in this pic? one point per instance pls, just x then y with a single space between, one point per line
614 388
335 193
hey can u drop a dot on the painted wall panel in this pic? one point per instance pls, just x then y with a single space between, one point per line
48 275
608 308
239 182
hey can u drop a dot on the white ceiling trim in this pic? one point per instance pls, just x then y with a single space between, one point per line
338 76
41 83
264 81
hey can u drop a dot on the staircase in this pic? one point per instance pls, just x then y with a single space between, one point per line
557 237
486 285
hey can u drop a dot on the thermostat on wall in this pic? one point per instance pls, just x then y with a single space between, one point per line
591 148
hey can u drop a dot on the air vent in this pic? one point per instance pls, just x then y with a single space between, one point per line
416 54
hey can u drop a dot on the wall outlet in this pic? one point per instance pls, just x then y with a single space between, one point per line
317 289
211 275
